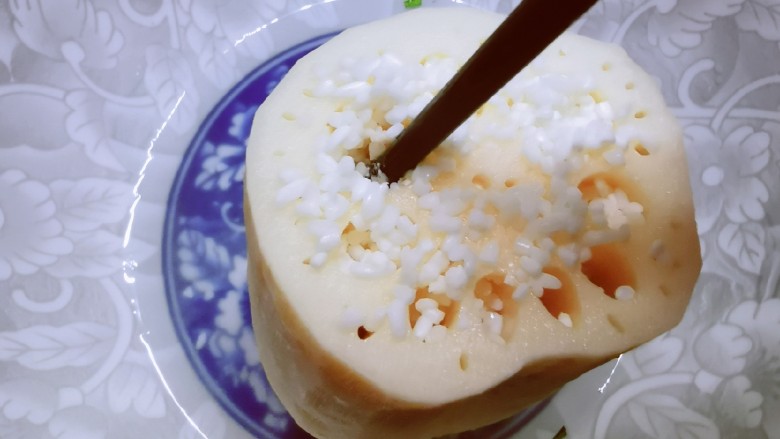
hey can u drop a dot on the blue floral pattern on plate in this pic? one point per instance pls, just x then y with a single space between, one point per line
204 257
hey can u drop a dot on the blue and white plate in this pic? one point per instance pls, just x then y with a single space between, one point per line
122 287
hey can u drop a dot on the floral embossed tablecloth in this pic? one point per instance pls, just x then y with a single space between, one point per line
99 100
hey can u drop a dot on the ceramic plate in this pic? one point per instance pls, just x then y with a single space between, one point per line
123 309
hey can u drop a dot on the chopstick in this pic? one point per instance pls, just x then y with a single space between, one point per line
525 33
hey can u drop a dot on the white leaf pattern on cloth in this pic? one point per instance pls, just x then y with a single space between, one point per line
664 416
608 18
682 27
722 349
219 32
703 142
755 146
88 203
728 171
659 355
95 254
739 403
761 16
8 40
48 347
216 56
762 322
43 25
30 234
29 110
323 13
131 385
771 174
28 399
744 243
249 40
169 81
87 126
740 400
78 423
203 15
751 205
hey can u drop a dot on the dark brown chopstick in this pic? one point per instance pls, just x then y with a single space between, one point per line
525 33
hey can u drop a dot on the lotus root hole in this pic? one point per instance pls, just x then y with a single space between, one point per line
641 150
563 299
463 362
363 333
601 184
496 297
446 305
608 269
481 181
615 323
